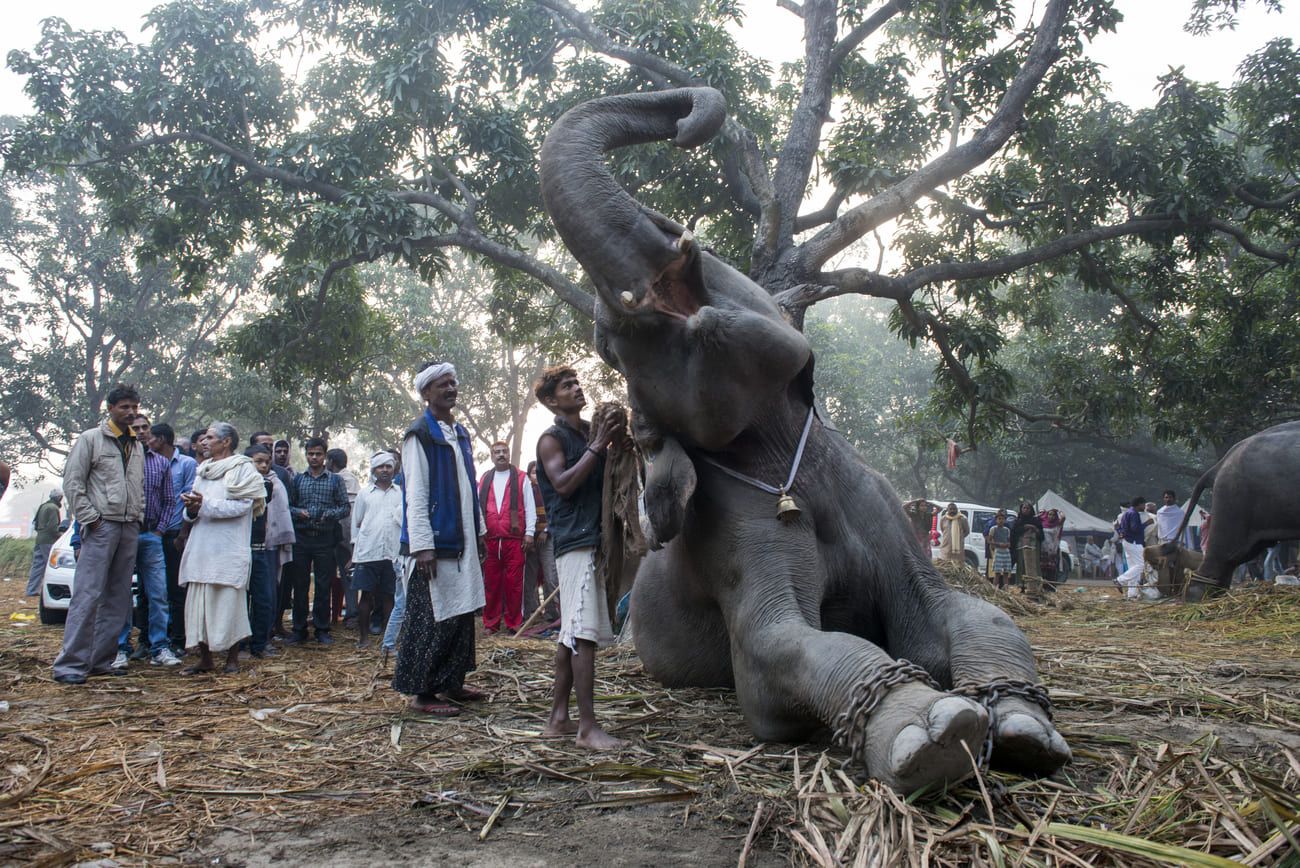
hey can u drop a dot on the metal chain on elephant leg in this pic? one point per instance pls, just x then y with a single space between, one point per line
851 724
988 695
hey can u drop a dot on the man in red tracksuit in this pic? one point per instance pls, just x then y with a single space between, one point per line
511 517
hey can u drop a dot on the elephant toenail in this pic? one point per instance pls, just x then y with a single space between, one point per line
952 714
1021 726
910 740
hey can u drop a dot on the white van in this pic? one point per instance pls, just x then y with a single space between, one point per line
978 518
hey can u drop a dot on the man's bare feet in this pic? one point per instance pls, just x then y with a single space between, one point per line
559 729
597 739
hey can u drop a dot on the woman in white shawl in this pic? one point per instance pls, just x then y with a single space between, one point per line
228 491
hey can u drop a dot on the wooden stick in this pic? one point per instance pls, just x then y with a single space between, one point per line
537 613
753 831
501 806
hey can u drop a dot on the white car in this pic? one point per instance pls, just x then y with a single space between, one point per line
977 519
60 573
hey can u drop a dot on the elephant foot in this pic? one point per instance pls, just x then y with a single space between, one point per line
919 737
1024 739
1200 589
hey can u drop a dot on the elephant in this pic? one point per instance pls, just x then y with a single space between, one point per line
1256 503
828 616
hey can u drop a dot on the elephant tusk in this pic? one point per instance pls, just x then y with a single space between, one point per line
686 240
628 299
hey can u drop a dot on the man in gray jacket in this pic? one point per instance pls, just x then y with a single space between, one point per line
103 481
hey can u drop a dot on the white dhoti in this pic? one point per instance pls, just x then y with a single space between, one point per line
584 614
216 615
1131 578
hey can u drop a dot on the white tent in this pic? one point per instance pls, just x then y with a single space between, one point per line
1076 520
1197 519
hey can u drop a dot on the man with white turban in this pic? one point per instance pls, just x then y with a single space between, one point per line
442 534
376 543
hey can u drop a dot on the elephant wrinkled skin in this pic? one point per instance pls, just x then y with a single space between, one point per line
807 619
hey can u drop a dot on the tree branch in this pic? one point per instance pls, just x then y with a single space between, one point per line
325 190
1251 199
982 214
794 165
1278 256
822 215
870 25
865 282
938 334
952 164
1104 278
671 73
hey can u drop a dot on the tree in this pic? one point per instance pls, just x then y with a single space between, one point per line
986 147
879 394
462 317
86 318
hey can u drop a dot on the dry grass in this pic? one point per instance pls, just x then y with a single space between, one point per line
1185 724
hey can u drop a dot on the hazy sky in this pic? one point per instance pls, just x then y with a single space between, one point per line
1147 43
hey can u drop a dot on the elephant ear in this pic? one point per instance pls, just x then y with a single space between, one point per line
669 485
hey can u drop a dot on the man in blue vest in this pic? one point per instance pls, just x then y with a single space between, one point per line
442 534
570 473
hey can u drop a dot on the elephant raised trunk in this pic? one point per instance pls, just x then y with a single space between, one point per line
624 247
807 615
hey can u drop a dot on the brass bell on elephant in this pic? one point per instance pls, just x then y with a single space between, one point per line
786 509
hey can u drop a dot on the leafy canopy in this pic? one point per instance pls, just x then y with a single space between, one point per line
325 135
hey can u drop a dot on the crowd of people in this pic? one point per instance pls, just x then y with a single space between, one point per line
225 540
1025 549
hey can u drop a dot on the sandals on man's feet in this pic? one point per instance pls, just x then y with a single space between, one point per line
436 709
197 670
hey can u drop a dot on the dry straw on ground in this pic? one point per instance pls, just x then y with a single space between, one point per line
1185 723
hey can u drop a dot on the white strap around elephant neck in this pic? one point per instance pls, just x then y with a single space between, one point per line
794 465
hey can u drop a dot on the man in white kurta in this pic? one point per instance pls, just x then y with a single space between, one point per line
1169 517
443 536
218 557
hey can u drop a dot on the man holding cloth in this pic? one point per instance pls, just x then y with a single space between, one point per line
442 533
570 473
505 495
104 483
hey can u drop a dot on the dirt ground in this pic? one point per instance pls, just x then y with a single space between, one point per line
1185 725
